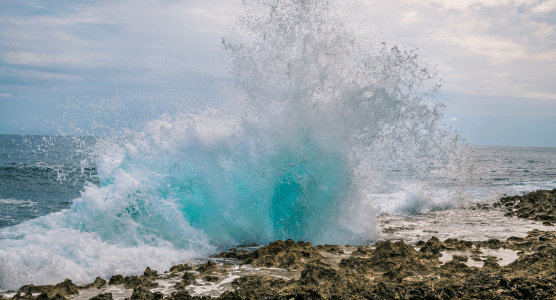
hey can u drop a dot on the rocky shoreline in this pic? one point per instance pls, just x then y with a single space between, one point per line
429 269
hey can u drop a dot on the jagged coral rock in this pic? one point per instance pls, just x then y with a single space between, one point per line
538 205
106 296
397 259
180 268
284 254
150 273
98 283
207 268
65 288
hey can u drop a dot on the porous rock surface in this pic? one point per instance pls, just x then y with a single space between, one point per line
389 270
287 255
98 283
539 205
58 291
395 270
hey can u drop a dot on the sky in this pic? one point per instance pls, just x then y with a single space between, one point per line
497 59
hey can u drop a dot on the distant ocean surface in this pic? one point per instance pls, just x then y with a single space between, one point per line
40 175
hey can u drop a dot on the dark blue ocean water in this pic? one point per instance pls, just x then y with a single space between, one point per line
43 174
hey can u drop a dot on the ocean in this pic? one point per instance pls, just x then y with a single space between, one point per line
323 132
60 219
41 175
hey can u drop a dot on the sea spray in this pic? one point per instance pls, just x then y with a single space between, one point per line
299 68
319 120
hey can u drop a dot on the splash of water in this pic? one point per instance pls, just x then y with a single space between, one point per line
319 120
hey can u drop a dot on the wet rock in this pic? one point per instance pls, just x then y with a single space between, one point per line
329 283
455 244
234 253
65 288
539 205
98 283
149 273
184 295
432 248
334 249
42 296
534 240
187 280
258 287
491 243
515 239
116 279
491 263
180 268
207 268
392 270
286 255
362 251
460 258
537 264
476 254
18 296
400 272
106 296
397 259
132 282
455 267
210 278
395 229
141 293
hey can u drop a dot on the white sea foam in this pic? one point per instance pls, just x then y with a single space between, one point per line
42 252
12 201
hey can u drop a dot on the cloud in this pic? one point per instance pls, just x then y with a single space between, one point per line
66 59
123 35
453 119
540 95
53 21
498 49
480 46
34 74
463 5
6 95
545 56
410 17
545 7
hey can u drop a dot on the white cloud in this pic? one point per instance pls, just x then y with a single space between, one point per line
480 46
498 49
56 60
545 7
549 56
540 95
410 17
34 74
69 20
453 119
6 95
466 4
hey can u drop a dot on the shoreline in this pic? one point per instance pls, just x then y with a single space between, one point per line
521 264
